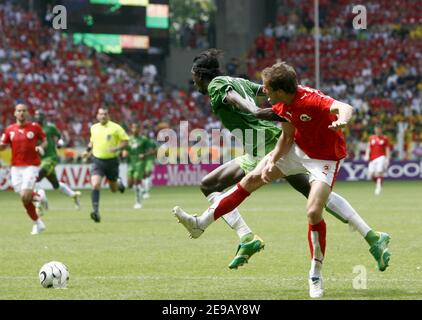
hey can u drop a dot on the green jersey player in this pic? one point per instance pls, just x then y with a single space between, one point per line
50 159
233 101
137 165
150 156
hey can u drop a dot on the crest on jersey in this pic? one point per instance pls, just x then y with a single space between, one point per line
305 118
108 137
30 135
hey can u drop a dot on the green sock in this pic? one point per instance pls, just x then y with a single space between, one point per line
247 237
372 237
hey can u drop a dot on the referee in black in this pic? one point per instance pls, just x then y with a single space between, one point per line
107 140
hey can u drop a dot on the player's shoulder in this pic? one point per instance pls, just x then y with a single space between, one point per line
35 125
11 127
219 82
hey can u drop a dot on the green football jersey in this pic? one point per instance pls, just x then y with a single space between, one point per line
136 146
241 124
51 132
151 145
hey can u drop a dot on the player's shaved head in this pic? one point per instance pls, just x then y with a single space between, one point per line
281 76
39 116
21 106
102 115
21 113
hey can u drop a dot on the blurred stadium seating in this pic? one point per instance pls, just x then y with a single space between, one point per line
46 70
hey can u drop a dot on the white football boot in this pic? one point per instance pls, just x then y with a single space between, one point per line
316 287
38 227
189 222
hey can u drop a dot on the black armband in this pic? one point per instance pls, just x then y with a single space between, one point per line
88 149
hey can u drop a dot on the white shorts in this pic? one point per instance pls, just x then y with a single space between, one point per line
376 166
296 161
24 178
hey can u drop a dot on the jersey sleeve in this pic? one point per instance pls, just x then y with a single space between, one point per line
40 133
56 132
253 86
319 101
5 137
121 133
217 90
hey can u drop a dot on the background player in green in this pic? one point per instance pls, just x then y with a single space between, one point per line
135 154
231 100
150 156
50 159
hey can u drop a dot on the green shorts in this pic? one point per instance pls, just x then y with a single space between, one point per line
149 166
136 171
49 165
247 162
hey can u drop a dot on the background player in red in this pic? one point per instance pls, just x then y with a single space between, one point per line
378 153
27 141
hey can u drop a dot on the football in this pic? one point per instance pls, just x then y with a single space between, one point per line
54 274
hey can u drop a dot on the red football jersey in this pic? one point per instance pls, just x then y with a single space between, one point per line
378 146
310 114
23 140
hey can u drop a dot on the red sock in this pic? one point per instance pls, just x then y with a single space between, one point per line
30 209
230 202
316 239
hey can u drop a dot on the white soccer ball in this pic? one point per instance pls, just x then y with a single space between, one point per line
54 274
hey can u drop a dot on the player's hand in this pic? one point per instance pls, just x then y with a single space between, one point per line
337 125
40 150
268 169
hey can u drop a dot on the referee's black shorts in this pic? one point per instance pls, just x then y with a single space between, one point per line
106 167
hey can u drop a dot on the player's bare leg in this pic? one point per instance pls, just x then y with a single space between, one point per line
316 235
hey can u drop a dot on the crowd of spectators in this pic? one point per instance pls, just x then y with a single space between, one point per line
377 70
46 70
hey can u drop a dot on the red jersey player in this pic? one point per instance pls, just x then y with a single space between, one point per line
378 154
24 138
311 142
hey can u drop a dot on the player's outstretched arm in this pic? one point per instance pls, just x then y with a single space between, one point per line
236 100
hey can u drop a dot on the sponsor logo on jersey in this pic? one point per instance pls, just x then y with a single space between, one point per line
325 169
305 118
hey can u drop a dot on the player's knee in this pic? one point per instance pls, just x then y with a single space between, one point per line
56 185
315 210
26 199
207 186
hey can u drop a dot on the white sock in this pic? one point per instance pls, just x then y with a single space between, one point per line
148 184
343 208
233 218
66 190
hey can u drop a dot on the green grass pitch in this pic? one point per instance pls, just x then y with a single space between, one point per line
145 254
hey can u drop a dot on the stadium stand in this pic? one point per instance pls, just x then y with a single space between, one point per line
69 82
